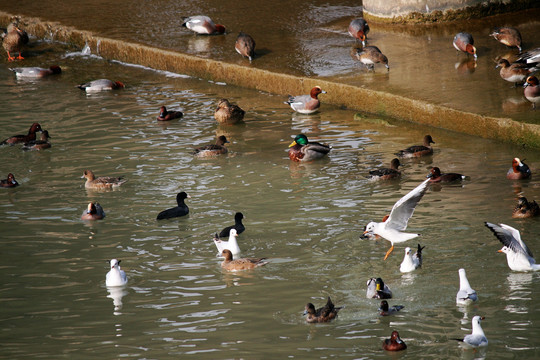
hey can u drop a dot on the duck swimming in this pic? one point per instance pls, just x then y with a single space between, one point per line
436 176
102 182
306 104
418 150
165 115
227 113
42 143
177 211
394 343
238 226
240 264
212 150
386 310
386 173
36 72
16 139
302 150
377 289
101 85
9 182
94 211
525 209
518 171
324 314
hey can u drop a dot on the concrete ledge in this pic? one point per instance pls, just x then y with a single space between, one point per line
342 95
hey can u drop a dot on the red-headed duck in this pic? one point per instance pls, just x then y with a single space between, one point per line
358 29
532 90
101 85
212 150
165 115
9 182
94 211
245 45
519 170
203 25
530 56
180 210
101 183
386 173
116 276
394 343
14 41
238 226
16 139
377 289
324 314
515 72
306 104
386 310
411 261
464 41
525 209
226 113
371 55
418 150
41 144
302 150
36 72
508 36
240 264
436 176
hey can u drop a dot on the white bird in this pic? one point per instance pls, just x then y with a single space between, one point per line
477 338
231 245
518 255
466 294
392 228
116 276
411 261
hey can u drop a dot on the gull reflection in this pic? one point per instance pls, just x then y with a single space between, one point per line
117 293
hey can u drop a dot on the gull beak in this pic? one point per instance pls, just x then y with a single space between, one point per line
500 251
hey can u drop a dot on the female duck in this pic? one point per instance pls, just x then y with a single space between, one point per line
240 264
525 209
508 36
94 211
418 150
386 173
245 45
180 210
101 183
371 55
212 150
226 113
386 310
302 150
324 314
14 41
436 176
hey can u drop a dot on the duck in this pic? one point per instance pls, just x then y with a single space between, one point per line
42 143
238 226
231 245
519 170
306 104
436 176
14 40
303 150
9 182
530 56
386 310
203 25
16 139
94 211
411 261
518 255
532 90
515 72
371 55
240 264
508 36
386 173
466 295
103 182
477 338
212 150
116 276
165 115
358 29
418 150
245 45
226 113
525 209
324 314
377 289
464 41
101 85
36 72
177 211
394 343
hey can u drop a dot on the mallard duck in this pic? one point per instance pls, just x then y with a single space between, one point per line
14 41
377 289
226 113
212 150
177 211
302 150
323 314
240 264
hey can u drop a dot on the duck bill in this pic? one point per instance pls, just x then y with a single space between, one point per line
292 144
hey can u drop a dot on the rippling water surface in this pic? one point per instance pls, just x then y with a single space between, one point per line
306 218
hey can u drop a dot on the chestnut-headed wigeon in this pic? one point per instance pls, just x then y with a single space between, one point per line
530 56
394 343
525 209
508 36
464 41
306 104
93 211
358 29
227 113
418 150
519 170
214 149
515 72
386 173
435 175
532 90
101 183
387 310
238 226
377 289
36 72
180 210
324 314
231 264
302 150
9 182
42 143
116 276
101 85
203 25
14 41
245 45
16 139
371 55
165 115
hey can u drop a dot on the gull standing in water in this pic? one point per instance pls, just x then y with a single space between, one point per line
466 295
411 261
116 276
392 229
477 338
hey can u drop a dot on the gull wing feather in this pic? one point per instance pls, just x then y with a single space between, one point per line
404 208
510 238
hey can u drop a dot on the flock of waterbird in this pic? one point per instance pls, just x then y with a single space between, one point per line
393 226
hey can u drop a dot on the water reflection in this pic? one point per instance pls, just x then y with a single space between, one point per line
116 293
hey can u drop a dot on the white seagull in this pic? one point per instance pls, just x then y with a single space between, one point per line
411 261
116 276
477 338
466 295
231 245
392 228
518 255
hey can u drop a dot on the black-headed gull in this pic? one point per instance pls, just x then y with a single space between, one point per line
392 229
466 295
411 261
518 255
477 338
231 245
116 276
